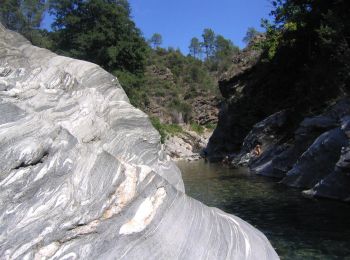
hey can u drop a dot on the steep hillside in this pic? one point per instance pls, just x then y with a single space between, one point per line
178 89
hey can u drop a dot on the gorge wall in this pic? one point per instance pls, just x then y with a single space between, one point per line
305 137
83 176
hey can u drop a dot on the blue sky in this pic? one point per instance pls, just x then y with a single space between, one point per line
180 20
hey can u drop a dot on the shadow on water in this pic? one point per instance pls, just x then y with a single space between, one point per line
298 228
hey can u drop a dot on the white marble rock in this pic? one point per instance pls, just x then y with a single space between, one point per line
82 174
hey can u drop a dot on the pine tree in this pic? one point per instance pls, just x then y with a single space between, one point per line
208 42
250 35
195 48
224 48
156 40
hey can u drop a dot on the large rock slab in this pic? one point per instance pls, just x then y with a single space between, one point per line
337 184
83 176
316 158
318 161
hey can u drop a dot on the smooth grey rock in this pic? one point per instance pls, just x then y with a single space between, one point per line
317 147
305 135
265 164
83 176
316 157
269 134
318 161
337 184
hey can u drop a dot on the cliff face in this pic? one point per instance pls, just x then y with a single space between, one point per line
82 174
242 106
304 145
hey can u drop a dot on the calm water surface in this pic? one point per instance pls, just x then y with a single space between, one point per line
298 228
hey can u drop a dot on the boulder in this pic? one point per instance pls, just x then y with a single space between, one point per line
83 176
316 158
337 184
317 161
269 133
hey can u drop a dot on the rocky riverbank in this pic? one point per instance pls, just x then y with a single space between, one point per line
187 145
304 148
316 159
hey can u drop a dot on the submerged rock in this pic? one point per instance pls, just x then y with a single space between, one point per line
82 173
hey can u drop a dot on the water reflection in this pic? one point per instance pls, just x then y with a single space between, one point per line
298 228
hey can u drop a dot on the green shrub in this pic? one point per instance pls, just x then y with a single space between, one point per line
173 129
132 84
197 128
210 126
159 127
165 129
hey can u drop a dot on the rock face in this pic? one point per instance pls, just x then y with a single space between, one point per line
302 132
238 111
316 158
187 145
336 184
82 174
205 110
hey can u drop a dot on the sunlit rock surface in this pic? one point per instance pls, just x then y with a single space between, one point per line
82 175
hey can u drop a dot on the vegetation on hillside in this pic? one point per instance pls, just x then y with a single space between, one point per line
305 61
102 31
165 129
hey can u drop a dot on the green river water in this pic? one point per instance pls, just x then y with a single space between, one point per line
298 228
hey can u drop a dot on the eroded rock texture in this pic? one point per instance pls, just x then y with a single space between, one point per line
315 159
82 175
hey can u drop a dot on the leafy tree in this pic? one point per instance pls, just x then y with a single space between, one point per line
209 42
24 16
195 48
125 5
33 13
307 49
224 51
156 40
224 48
100 31
10 14
250 35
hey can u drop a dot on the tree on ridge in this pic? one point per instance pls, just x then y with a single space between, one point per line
156 40
195 48
208 42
